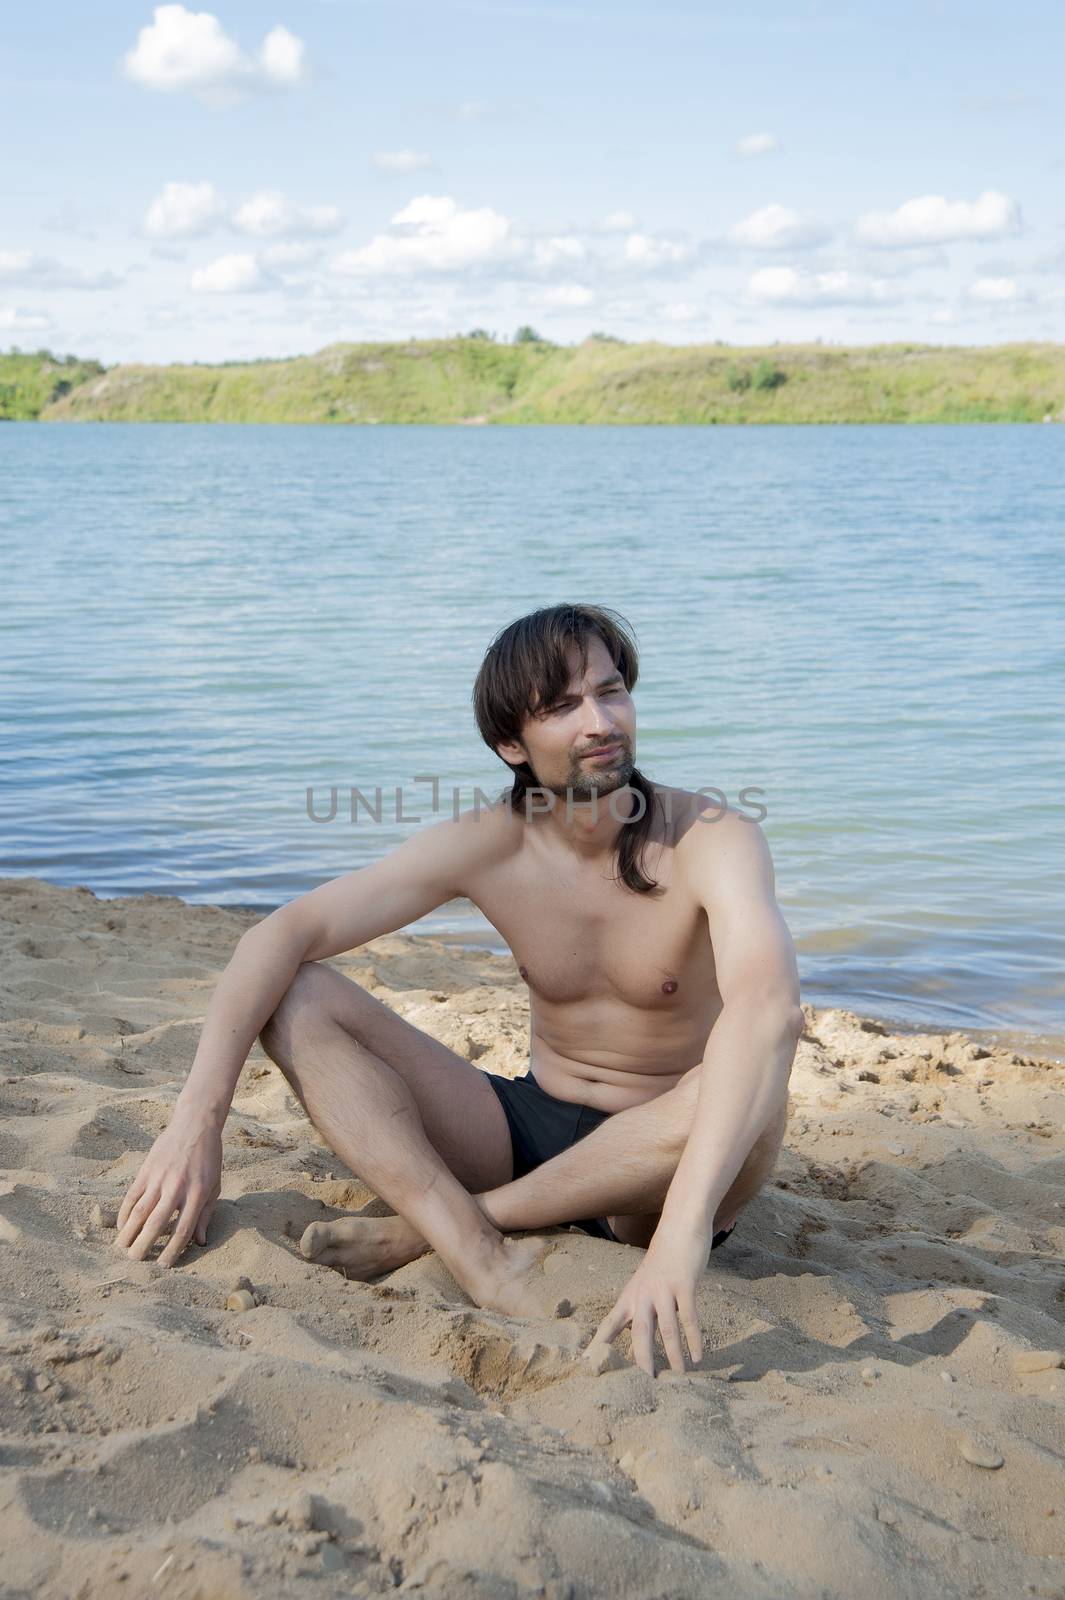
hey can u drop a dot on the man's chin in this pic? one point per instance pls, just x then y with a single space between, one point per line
592 781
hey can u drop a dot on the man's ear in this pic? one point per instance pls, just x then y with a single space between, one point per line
511 752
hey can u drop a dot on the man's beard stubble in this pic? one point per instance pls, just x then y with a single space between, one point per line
586 784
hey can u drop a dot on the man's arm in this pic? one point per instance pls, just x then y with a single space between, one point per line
415 878
745 1070
747 1061
182 1170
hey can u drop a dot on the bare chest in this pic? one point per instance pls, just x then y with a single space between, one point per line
580 936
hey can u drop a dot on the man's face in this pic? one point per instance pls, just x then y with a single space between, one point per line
560 742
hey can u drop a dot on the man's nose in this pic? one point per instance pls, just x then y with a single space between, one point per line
596 721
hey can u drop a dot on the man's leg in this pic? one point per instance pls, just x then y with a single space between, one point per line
758 1166
624 1166
376 1119
627 1162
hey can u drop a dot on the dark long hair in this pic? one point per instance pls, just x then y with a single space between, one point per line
525 667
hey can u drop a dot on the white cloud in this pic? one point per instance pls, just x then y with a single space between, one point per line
431 234
183 211
41 272
757 144
933 219
779 228
648 250
402 161
994 291
281 58
566 296
233 274
16 319
787 286
268 215
291 255
558 250
189 51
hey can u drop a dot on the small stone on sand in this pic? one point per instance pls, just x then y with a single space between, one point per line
300 1514
103 1216
1038 1360
981 1450
241 1300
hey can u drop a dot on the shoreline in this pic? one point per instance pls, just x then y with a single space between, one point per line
1031 1041
884 1333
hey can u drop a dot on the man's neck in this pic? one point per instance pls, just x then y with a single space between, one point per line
589 829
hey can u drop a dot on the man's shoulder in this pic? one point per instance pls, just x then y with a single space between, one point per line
708 830
484 832
704 816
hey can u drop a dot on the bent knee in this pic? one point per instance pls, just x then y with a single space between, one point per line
303 997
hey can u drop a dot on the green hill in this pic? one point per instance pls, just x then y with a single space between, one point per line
31 381
600 381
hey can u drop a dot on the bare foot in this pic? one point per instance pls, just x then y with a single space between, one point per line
363 1247
511 1283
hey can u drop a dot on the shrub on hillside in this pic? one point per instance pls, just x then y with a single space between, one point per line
767 376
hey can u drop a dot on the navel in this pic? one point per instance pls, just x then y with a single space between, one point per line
670 986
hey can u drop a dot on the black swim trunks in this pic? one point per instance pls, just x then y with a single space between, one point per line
542 1126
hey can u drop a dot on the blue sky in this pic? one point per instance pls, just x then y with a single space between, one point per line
249 180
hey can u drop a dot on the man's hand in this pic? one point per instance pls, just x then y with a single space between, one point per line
182 1172
661 1290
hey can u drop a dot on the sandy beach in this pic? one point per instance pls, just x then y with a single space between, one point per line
879 1411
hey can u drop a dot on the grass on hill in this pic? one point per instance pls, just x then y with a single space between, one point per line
30 381
603 380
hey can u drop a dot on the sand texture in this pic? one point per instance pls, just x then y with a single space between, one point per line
879 1411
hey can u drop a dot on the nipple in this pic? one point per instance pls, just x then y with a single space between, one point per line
524 971
670 986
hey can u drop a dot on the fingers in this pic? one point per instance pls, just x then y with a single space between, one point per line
133 1194
155 1224
612 1323
205 1221
671 1312
182 1233
689 1318
643 1338
130 1226
669 1328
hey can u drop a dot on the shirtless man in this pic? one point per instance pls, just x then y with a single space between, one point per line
664 1010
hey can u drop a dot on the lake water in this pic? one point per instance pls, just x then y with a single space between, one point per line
865 623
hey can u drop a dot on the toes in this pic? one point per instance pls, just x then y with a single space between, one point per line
314 1241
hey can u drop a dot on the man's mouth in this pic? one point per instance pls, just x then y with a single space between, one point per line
602 753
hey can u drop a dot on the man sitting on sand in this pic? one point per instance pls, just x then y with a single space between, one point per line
664 1015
